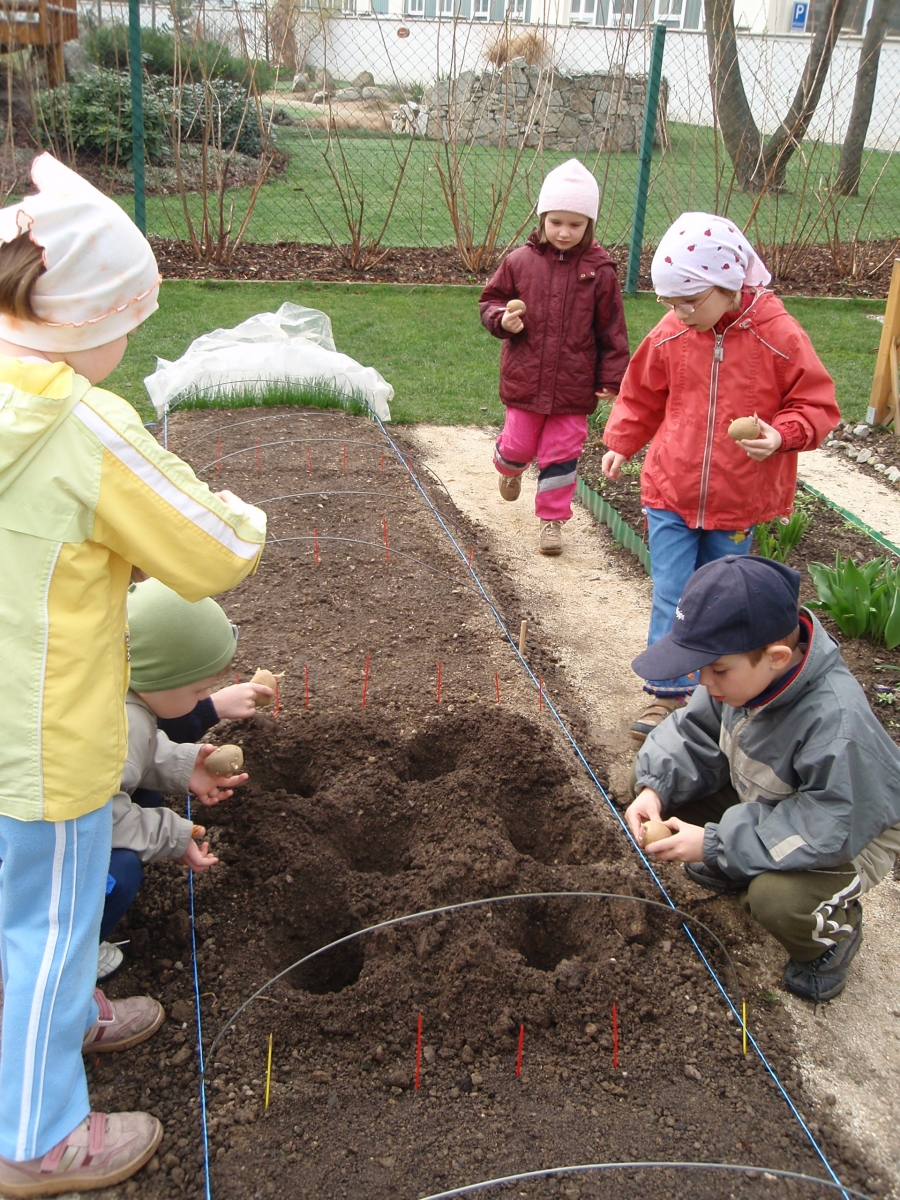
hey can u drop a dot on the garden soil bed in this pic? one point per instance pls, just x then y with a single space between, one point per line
876 667
357 814
812 272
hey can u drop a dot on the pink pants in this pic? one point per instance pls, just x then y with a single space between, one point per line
556 442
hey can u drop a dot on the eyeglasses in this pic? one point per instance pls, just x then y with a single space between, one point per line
682 305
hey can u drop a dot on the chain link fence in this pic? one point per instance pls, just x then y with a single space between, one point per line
378 130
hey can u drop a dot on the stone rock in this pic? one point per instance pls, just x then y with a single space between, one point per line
348 94
398 1078
880 467
300 82
320 97
410 118
862 430
324 80
865 455
691 1072
364 79
76 61
375 93
851 452
893 474
467 1054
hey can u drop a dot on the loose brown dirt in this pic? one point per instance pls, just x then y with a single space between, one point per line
357 814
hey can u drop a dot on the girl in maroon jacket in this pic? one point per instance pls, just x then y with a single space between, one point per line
726 348
565 344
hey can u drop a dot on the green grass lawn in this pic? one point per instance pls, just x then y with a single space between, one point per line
693 173
429 344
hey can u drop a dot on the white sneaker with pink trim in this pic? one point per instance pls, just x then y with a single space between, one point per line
104 1149
122 1023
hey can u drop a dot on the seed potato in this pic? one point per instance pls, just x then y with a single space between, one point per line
516 306
227 760
655 831
744 428
267 679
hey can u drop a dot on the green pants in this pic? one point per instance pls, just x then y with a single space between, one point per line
807 911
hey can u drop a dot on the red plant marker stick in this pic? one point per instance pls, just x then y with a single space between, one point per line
382 464
309 460
258 457
471 553
387 549
277 708
615 1021
365 681
418 1050
345 458
306 685
218 456
440 669
237 677
497 684
519 1056
540 693
316 544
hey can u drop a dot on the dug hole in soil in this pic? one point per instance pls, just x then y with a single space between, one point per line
358 813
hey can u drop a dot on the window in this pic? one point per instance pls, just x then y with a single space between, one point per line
581 12
415 8
670 13
515 9
446 8
482 10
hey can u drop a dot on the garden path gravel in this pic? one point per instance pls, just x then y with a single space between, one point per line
850 1048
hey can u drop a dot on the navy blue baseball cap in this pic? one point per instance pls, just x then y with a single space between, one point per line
730 606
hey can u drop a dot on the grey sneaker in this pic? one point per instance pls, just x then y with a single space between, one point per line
103 1150
510 486
551 537
654 714
109 959
122 1023
826 976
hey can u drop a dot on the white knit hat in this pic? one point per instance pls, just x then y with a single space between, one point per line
570 187
701 250
101 280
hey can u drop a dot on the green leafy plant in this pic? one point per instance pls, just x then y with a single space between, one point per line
92 114
863 600
776 539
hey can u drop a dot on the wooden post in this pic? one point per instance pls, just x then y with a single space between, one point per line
884 403
523 634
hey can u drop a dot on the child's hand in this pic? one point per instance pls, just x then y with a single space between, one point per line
239 700
512 322
606 394
611 463
647 807
210 789
686 845
767 443
198 858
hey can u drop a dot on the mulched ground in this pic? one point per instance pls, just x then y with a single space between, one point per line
811 272
875 667
355 815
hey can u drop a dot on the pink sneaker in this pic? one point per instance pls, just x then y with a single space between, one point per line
122 1023
104 1149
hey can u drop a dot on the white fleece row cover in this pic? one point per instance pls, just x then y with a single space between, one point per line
292 345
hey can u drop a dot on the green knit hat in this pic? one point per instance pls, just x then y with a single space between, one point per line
174 642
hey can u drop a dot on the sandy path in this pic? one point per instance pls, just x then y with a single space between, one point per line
597 618
876 503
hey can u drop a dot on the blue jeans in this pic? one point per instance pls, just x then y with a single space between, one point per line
676 551
126 869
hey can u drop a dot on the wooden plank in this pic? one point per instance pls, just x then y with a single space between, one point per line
883 389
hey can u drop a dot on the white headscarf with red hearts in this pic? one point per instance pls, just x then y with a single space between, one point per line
701 250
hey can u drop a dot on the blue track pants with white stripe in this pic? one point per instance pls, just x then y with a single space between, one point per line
52 888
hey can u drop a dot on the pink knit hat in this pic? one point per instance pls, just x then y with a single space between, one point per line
570 187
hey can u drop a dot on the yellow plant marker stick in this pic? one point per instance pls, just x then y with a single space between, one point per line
269 1070
744 1039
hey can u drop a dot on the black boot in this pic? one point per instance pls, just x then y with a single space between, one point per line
713 878
826 976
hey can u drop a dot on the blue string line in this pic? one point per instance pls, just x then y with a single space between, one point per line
612 807
203 1125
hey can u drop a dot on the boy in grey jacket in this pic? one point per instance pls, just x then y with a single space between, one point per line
785 785
177 649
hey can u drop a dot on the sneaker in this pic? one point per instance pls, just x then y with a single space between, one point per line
109 960
122 1023
103 1150
826 976
510 486
654 714
713 878
551 537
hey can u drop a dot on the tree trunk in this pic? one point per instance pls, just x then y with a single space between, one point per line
743 140
790 133
850 166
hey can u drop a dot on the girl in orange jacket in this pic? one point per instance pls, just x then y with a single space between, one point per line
726 348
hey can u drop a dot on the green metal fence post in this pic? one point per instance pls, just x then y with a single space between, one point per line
137 114
646 153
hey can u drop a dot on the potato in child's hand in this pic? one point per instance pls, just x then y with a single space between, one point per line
655 831
744 429
266 679
227 760
516 306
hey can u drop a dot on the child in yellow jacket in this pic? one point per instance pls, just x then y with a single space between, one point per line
85 494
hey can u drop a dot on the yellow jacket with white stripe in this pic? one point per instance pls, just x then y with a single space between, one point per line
85 492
